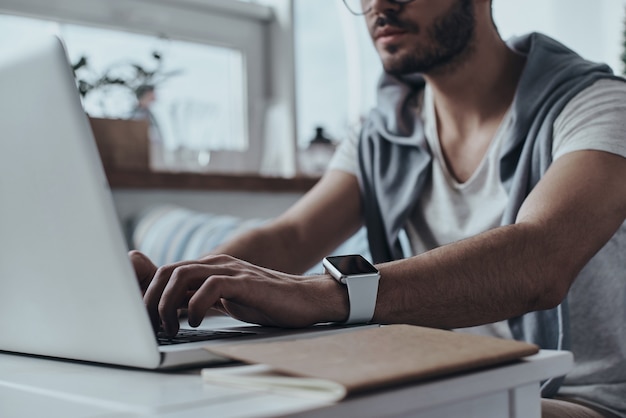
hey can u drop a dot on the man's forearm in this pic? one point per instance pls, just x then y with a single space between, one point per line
304 234
267 247
568 217
496 275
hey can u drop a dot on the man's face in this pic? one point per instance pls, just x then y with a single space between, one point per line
423 36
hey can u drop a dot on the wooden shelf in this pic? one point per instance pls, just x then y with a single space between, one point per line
134 179
124 149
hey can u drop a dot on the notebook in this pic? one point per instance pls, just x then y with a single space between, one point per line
335 366
67 288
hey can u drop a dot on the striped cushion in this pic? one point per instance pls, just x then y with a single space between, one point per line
169 233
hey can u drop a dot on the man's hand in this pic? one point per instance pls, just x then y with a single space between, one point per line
240 289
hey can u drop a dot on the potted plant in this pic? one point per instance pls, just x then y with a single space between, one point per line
123 141
125 77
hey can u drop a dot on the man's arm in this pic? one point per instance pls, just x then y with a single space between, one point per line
314 226
502 273
574 210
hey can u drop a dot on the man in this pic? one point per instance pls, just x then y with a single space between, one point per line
503 163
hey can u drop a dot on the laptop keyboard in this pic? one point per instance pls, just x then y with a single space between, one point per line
194 335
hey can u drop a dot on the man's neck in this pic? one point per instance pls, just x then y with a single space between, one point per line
471 99
477 93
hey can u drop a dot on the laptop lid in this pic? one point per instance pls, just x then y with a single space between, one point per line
67 287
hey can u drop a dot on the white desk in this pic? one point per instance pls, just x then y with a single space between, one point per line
35 387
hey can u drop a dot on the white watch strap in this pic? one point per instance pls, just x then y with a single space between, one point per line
362 292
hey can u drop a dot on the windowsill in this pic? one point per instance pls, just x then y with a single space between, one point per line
132 179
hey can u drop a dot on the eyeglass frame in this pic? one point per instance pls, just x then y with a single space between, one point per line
369 9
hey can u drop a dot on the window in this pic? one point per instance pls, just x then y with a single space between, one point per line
216 54
591 28
336 69
200 103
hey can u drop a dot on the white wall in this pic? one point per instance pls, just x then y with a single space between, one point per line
592 28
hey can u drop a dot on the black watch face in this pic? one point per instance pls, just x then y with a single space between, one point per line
352 264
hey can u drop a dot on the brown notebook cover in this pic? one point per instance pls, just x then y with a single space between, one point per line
373 358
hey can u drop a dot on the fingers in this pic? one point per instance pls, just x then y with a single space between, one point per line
209 295
185 280
152 295
144 269
221 292
172 287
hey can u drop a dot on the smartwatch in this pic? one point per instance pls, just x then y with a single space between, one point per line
361 278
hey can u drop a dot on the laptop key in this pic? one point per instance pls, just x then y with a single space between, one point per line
194 335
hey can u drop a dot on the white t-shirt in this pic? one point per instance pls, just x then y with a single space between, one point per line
448 211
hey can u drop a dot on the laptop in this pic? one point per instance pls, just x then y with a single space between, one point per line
67 287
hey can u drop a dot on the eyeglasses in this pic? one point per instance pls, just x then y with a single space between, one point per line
363 7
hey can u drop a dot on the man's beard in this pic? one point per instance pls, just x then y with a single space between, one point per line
449 42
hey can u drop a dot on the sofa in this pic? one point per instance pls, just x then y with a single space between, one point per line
170 233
